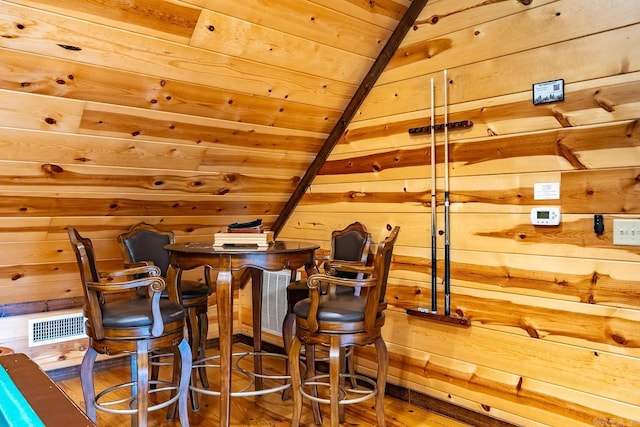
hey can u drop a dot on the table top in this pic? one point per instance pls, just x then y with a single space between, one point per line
279 246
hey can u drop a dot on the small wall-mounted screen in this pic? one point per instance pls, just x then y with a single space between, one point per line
542 214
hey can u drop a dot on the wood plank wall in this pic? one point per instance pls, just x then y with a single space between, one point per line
555 311
187 114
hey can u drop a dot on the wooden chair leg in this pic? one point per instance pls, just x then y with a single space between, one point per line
204 332
334 380
310 359
351 366
194 340
155 371
256 304
185 375
381 379
142 381
343 370
296 380
175 379
287 335
86 379
181 376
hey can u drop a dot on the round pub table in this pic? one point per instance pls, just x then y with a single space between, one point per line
277 256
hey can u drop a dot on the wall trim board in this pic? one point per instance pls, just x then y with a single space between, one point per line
18 309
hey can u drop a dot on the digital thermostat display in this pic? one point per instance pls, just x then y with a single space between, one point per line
545 216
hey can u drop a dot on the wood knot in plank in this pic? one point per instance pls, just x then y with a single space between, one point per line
619 339
69 47
533 333
51 169
356 194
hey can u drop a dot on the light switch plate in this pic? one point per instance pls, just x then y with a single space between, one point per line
626 232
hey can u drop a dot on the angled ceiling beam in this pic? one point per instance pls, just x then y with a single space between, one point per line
407 22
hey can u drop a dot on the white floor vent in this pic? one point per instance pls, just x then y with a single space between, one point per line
274 299
53 329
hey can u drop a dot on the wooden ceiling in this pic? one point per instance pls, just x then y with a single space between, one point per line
211 103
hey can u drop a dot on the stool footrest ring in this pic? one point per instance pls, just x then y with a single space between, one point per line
251 376
110 405
344 392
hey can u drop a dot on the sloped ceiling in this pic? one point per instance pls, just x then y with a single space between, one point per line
215 104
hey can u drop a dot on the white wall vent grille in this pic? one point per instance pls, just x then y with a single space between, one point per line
274 299
53 329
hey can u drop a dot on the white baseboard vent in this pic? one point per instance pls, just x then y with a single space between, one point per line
54 329
274 299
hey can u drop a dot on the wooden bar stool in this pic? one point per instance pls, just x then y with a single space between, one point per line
349 244
145 243
119 321
337 321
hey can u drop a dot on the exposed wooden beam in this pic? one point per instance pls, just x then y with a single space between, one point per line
407 22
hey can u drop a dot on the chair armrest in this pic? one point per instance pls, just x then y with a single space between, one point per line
333 266
137 268
154 284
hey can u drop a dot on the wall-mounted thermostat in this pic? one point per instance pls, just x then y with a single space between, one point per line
545 216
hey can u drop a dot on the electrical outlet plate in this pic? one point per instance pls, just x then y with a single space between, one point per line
626 232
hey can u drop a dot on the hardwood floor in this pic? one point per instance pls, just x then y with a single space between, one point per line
266 410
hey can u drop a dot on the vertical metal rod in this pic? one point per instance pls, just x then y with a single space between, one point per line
447 271
434 224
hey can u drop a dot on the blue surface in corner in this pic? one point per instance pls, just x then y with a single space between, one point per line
15 411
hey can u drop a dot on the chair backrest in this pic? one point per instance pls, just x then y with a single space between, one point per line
86 259
381 266
350 244
144 242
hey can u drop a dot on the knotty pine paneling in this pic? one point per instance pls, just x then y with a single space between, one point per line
554 310
219 33
503 395
485 41
163 19
441 19
593 102
65 78
589 372
115 113
87 42
582 147
349 20
148 181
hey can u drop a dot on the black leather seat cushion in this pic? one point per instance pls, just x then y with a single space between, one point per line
346 308
137 312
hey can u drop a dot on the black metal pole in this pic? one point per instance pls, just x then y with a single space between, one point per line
447 271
